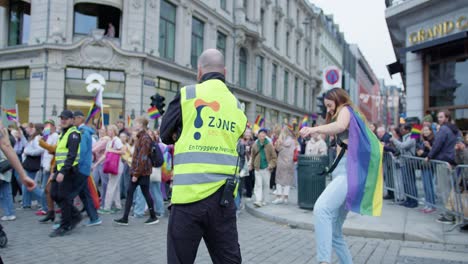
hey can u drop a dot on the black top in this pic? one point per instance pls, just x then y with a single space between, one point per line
73 143
172 121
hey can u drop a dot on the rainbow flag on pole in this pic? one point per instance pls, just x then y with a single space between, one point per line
10 114
364 168
305 122
153 112
416 131
259 122
129 121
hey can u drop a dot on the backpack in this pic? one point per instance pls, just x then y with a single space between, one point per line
156 155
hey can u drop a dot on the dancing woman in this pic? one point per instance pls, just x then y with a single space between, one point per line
357 179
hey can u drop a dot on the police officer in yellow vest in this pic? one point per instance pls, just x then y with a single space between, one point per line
205 122
67 158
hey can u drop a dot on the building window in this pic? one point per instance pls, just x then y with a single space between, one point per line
14 90
286 84
259 63
223 4
298 44
306 54
78 98
19 23
167 29
197 40
260 110
94 16
276 34
298 13
304 90
274 72
287 44
242 68
221 44
296 91
287 8
262 22
167 88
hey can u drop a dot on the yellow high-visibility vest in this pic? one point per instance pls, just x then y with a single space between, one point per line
205 154
62 151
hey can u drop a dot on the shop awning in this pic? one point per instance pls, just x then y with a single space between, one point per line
434 43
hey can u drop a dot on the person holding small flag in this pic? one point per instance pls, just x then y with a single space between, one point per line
357 183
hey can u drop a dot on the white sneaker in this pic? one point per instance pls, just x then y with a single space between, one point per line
264 203
285 201
8 218
277 201
257 204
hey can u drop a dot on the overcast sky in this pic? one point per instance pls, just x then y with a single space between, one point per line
363 23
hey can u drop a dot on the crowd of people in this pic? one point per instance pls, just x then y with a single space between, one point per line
95 190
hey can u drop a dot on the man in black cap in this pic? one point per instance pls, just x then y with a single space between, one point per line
66 173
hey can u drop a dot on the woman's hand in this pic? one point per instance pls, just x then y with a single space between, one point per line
308 131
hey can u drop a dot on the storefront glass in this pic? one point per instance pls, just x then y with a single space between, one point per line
78 98
14 87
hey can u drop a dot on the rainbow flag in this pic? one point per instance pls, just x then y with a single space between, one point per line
259 122
46 130
10 114
305 122
364 168
93 111
153 112
416 131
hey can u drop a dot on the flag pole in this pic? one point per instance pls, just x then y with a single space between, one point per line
17 113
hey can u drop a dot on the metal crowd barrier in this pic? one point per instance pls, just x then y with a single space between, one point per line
434 184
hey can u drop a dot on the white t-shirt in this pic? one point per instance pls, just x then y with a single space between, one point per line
115 143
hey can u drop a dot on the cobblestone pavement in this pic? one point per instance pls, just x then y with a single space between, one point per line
261 242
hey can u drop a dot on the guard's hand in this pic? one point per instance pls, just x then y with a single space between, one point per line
427 159
29 183
134 179
59 177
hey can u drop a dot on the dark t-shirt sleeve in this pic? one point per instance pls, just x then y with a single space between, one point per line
172 121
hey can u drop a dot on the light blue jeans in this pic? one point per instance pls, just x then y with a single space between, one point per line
139 203
156 194
37 193
329 215
6 198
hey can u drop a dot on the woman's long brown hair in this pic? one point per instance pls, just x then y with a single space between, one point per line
341 99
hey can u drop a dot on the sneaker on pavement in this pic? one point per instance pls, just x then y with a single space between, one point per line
446 220
257 204
277 201
104 211
94 222
41 212
56 226
429 210
264 203
8 218
61 231
121 221
152 221
285 201
464 228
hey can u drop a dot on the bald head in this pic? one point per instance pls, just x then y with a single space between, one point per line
211 60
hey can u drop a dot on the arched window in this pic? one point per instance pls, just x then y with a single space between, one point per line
243 68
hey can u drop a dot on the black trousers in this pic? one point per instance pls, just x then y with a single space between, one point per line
63 194
143 182
249 183
189 223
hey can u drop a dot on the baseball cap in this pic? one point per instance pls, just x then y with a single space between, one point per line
49 121
78 113
66 114
263 130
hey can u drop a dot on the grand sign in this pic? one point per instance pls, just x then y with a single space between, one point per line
438 30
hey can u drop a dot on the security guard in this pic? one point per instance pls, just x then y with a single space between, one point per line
205 122
66 174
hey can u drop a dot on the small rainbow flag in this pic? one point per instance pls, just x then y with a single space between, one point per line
290 127
93 111
153 112
10 114
416 131
46 130
129 121
364 168
305 122
259 122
